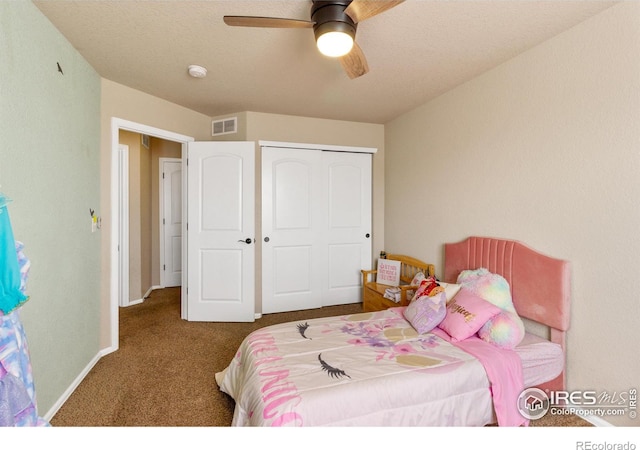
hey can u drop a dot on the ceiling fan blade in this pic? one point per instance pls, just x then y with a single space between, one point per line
360 10
266 22
354 63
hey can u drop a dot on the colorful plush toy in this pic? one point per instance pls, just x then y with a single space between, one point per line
506 330
433 287
430 287
426 286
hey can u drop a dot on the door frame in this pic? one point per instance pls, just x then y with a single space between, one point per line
118 124
304 146
161 162
123 224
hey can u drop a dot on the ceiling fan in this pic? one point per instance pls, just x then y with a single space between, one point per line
334 25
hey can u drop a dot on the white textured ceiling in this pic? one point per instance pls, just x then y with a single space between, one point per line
416 51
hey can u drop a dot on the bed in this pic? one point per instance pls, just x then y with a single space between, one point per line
375 369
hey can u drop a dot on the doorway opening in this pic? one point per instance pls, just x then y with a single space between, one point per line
118 213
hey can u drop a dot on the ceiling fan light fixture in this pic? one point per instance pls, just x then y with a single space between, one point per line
333 29
334 43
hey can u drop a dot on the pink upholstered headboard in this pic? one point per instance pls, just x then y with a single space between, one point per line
540 285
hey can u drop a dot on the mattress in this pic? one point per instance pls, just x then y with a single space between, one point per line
542 360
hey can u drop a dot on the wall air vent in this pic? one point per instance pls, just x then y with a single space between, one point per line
224 126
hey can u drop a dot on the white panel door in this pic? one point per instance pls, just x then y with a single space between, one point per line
171 223
293 209
348 232
220 236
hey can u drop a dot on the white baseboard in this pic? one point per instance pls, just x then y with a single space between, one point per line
65 396
592 419
151 289
595 420
144 297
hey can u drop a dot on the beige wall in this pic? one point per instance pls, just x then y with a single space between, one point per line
145 220
542 149
132 141
140 215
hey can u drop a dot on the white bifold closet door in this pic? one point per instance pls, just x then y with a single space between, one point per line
316 227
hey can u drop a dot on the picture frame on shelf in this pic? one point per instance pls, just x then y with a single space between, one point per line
388 272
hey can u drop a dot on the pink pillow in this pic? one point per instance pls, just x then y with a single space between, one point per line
506 330
466 314
425 313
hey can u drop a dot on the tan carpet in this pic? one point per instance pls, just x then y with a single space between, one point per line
163 373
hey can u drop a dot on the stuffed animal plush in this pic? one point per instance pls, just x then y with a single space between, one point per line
506 330
429 287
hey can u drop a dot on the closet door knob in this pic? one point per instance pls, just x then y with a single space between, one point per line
246 241
367 235
266 239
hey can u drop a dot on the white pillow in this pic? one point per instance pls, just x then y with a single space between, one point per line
450 289
417 279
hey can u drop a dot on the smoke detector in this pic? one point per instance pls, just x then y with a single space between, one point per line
197 71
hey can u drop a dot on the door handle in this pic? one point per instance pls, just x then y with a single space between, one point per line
246 241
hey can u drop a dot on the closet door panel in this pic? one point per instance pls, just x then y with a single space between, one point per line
292 272
292 195
348 232
292 208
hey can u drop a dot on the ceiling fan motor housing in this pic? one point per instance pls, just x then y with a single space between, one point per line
330 16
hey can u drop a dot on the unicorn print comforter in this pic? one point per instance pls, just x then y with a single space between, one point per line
369 369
